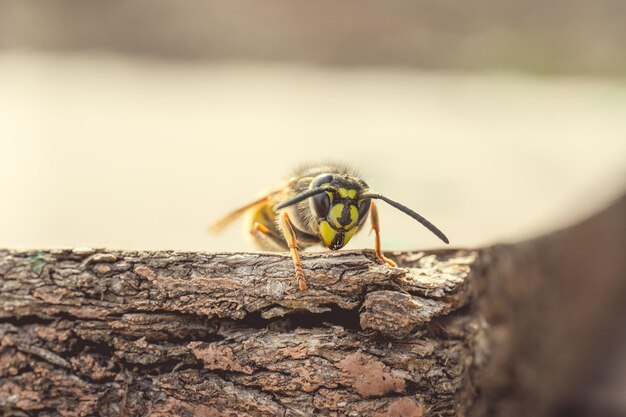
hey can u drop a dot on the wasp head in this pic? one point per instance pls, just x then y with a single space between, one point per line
339 209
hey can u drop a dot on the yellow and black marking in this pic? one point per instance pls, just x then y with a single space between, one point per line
342 220
345 193
263 228
321 204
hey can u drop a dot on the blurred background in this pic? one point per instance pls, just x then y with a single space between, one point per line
136 124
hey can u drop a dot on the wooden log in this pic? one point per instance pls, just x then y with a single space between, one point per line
554 306
157 333
455 332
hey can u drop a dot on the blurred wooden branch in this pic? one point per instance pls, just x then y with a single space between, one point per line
558 37
499 331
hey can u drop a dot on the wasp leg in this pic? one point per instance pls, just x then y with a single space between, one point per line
263 232
376 229
292 242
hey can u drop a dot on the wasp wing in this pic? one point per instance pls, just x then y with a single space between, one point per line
219 225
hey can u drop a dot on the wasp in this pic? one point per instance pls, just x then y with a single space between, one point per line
325 205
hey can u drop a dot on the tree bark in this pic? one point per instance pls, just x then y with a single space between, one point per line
498 331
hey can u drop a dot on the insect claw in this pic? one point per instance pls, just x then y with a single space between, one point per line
302 285
387 261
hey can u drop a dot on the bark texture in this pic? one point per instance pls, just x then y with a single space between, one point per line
503 331
161 333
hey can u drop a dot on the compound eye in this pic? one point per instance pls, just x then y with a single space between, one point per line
321 204
364 208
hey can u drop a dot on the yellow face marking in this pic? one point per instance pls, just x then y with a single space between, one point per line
348 235
334 214
354 217
346 193
330 195
327 232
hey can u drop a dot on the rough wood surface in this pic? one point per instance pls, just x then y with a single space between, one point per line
510 330
161 333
